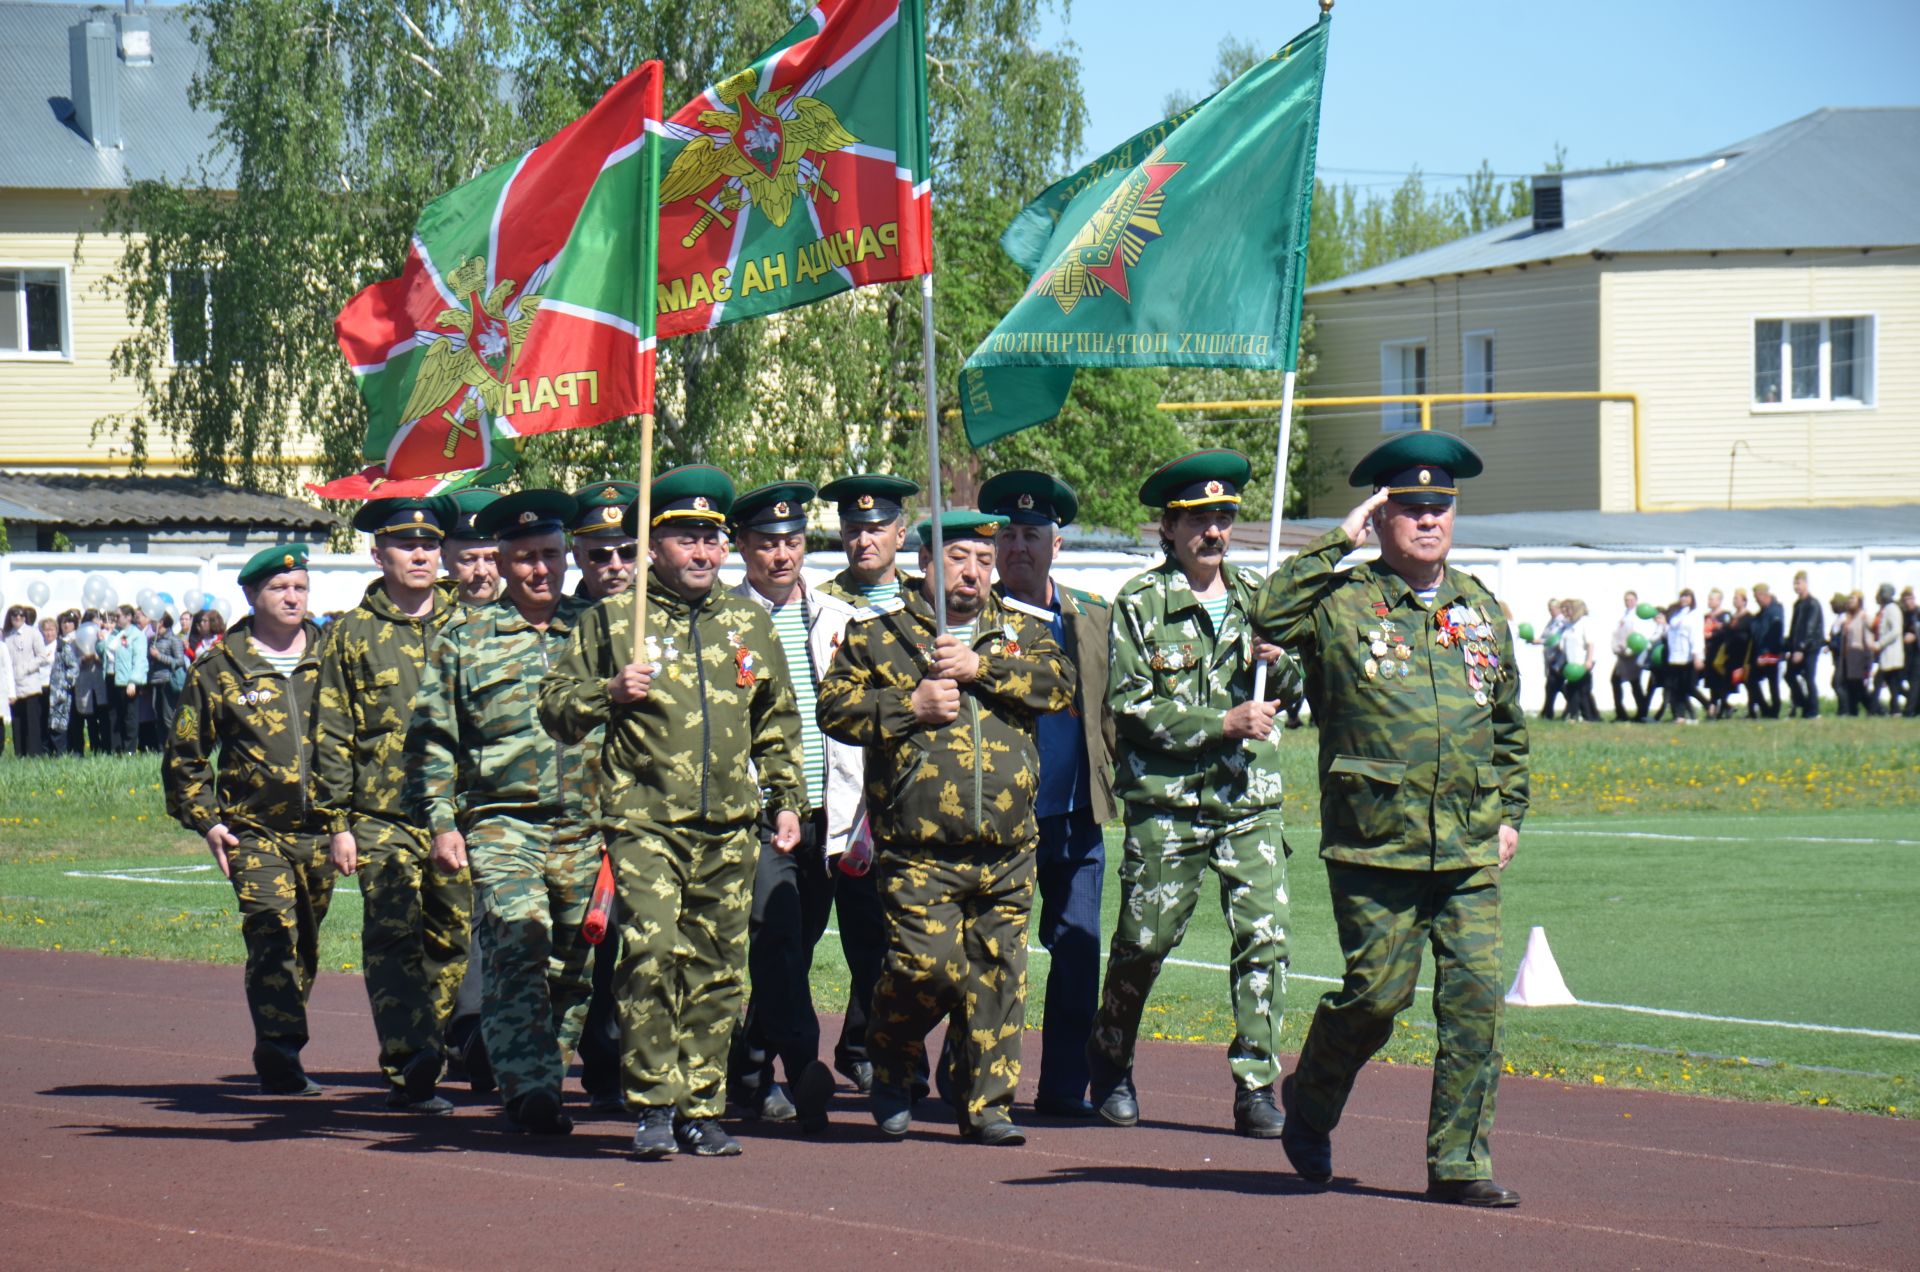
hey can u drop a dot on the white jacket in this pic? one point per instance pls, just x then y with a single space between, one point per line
827 618
1575 645
1686 637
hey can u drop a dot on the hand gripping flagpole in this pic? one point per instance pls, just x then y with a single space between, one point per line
1279 503
939 573
649 282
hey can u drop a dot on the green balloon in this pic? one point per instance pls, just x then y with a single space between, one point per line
1646 609
1553 640
1575 672
1636 643
1526 631
1659 654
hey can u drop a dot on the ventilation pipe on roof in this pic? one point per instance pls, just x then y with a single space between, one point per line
96 80
136 36
1549 211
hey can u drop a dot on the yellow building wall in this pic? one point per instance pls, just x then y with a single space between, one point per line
1679 330
1545 326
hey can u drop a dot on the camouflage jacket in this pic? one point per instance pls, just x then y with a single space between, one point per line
236 703
476 747
369 680
971 782
1170 686
717 737
1420 766
843 586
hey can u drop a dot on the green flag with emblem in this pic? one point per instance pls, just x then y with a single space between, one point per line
1184 246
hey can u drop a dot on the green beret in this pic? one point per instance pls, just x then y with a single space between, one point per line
777 508
961 523
1200 480
268 562
1420 469
467 505
406 518
869 499
1028 498
601 509
698 493
527 512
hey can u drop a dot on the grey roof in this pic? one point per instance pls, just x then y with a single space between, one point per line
155 502
40 148
1838 178
1815 528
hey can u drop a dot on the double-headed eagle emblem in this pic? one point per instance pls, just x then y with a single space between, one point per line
766 149
474 348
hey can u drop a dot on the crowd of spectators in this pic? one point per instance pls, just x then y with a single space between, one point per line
97 680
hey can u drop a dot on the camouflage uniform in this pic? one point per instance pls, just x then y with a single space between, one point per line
413 939
1419 768
954 834
1193 798
686 773
235 702
479 763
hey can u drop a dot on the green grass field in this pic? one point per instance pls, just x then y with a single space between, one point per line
1769 873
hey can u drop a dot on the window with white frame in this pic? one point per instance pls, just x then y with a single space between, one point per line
33 312
189 316
1403 369
1810 362
1476 375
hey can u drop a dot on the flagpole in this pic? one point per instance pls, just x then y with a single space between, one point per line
1279 503
650 133
939 573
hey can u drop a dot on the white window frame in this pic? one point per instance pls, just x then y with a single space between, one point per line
206 275
1478 414
1869 321
66 313
1400 417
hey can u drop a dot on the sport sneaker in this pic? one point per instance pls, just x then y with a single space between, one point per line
705 1137
773 1104
653 1139
433 1106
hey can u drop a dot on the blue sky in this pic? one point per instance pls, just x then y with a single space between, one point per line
1445 84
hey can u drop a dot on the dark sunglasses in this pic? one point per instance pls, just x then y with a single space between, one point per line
628 552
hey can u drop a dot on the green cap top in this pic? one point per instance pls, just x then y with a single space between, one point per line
406 518
268 562
869 499
601 509
527 512
1420 469
962 523
1028 498
1200 480
468 504
777 508
697 493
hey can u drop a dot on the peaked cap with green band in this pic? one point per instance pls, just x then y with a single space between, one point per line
777 508
601 509
268 562
1199 480
869 499
527 512
406 518
468 504
1419 469
962 523
1028 498
699 494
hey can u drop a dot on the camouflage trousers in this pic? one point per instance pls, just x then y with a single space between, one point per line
531 885
684 897
1383 917
413 939
283 884
956 945
1163 863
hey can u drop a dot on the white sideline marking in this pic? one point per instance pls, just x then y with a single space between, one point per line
153 874
1715 839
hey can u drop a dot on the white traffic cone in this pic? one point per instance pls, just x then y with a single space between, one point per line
1538 983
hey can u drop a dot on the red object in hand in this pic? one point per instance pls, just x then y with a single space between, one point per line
599 910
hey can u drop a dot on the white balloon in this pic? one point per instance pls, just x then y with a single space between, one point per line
95 591
37 594
146 599
191 601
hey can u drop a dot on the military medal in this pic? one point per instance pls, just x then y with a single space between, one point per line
1372 669
1480 697
743 664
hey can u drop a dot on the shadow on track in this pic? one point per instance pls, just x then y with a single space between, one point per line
1248 1183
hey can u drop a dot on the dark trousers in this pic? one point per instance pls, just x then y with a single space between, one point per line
1855 694
792 901
30 724
1802 687
1628 677
1763 690
863 940
1556 686
599 1049
1072 868
1680 680
123 719
166 704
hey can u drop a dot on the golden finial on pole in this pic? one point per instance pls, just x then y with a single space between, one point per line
1326 7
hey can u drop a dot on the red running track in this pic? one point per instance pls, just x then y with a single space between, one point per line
134 1139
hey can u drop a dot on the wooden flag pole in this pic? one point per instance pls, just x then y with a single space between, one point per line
934 501
643 523
652 132
1279 504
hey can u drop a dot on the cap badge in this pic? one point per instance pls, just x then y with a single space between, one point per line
609 514
780 509
864 503
528 517
1024 503
419 516
609 493
700 503
1426 477
287 560
1215 489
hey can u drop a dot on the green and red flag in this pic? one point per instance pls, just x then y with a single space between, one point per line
1184 246
526 302
372 481
801 175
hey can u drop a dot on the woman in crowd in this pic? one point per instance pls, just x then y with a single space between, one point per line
1553 658
1576 649
1855 661
208 628
87 730
124 650
66 670
168 658
32 665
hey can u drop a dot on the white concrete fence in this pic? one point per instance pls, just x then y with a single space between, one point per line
1524 578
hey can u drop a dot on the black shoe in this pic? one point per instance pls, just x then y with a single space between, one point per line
860 1073
770 1104
1254 1115
607 1104
653 1138
892 1110
539 1113
1471 1192
704 1137
420 1075
1310 1151
280 1072
1113 1093
811 1092
298 1085
480 1079
1063 1106
998 1134
433 1106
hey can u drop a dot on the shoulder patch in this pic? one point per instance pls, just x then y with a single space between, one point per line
1045 616
878 608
